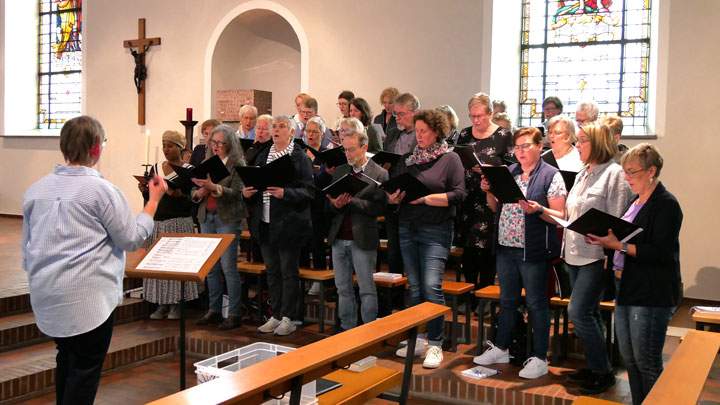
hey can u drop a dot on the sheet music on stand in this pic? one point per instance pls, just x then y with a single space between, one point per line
179 254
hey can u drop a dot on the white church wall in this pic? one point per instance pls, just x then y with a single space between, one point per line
437 49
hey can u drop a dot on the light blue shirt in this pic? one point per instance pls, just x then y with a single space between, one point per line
76 229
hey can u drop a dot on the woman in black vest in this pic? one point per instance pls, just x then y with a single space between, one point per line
526 239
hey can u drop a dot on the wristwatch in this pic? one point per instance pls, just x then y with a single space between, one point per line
624 248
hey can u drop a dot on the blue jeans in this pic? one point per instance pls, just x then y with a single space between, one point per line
227 266
425 249
514 274
584 311
346 257
640 333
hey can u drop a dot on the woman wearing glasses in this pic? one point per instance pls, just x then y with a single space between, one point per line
599 185
492 144
280 221
222 210
526 239
647 270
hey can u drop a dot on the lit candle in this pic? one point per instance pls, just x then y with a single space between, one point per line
188 114
147 146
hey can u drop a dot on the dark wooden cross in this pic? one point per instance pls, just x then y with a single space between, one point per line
138 48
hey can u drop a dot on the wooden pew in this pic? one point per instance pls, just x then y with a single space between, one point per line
706 319
685 374
289 371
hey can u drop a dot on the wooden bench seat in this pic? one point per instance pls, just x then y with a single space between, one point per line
706 319
456 290
359 388
326 278
288 372
593 401
559 307
687 371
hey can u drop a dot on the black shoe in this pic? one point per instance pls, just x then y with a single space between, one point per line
231 322
579 376
210 318
597 383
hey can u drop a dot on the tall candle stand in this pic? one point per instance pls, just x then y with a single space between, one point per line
189 129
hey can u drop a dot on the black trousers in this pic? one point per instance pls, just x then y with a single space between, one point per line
394 256
79 363
283 278
478 262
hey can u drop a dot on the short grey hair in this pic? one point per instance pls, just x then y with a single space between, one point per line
590 108
230 137
567 121
287 120
265 118
317 120
360 135
408 100
354 123
248 108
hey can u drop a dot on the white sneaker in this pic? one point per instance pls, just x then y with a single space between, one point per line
285 327
493 355
174 312
269 326
534 368
421 346
433 357
314 288
160 313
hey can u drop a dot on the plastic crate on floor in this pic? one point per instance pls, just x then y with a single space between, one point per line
227 363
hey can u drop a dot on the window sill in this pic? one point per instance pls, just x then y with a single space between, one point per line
32 133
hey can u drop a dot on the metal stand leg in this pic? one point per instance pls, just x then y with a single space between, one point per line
467 339
181 343
453 334
321 309
407 371
481 326
296 390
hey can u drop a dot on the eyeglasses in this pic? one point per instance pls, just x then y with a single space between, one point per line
524 147
104 142
343 103
217 143
632 173
403 113
477 117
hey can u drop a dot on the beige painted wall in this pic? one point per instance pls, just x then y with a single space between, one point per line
435 48
259 50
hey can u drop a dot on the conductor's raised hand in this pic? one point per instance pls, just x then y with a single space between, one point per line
156 187
277 192
248 192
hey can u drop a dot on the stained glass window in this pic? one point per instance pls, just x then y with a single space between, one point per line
586 50
59 62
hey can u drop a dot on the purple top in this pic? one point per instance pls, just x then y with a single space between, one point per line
630 214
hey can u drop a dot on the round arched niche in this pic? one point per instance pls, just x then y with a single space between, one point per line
258 50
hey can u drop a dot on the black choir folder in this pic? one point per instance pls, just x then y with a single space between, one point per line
597 223
568 176
212 166
277 173
406 182
329 157
350 183
383 157
467 156
502 184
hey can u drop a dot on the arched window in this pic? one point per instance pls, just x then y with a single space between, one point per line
59 62
586 50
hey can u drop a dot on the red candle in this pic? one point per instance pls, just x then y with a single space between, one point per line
188 114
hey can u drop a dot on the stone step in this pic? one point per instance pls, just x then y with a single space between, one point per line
29 371
20 329
17 300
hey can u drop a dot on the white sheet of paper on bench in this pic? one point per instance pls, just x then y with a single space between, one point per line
180 254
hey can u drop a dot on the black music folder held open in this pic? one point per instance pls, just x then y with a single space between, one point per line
467 156
277 173
350 183
212 166
597 222
502 184
383 157
408 183
568 176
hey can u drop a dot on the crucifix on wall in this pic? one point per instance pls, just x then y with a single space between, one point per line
138 48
